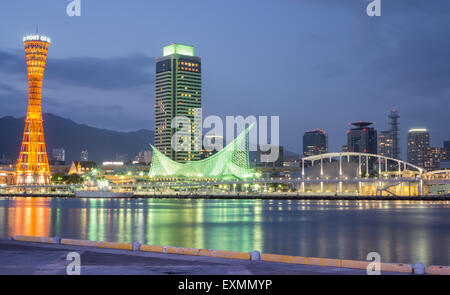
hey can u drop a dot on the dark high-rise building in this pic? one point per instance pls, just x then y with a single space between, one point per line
394 116
418 146
362 138
447 149
315 142
388 141
178 93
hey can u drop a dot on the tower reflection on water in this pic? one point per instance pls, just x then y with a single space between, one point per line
402 231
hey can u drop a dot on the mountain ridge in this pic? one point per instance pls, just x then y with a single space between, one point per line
102 144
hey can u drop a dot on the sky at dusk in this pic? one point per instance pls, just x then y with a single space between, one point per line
314 63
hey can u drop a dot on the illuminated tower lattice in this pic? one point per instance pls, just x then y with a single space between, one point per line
32 166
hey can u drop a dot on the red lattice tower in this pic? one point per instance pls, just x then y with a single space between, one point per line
32 166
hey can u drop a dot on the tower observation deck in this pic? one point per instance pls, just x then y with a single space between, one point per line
32 165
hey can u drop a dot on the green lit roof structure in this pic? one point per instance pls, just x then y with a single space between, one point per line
177 48
232 162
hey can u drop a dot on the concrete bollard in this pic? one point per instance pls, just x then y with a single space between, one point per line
419 268
255 255
136 246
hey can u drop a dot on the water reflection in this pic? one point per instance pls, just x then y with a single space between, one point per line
401 231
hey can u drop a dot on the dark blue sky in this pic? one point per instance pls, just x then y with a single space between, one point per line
315 63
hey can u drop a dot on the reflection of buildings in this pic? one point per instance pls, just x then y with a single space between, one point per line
32 166
178 93
315 142
30 217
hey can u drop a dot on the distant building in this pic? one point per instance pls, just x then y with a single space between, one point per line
144 157
82 167
84 155
418 145
121 158
178 93
315 142
447 149
385 144
444 165
362 138
388 141
433 157
147 157
395 150
211 140
277 163
5 161
58 156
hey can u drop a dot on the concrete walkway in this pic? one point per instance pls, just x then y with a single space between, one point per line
46 259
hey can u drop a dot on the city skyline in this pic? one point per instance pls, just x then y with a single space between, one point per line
423 100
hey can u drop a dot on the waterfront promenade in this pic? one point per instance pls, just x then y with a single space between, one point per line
27 258
231 195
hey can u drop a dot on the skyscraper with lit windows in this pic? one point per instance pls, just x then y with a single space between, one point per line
315 142
418 145
178 93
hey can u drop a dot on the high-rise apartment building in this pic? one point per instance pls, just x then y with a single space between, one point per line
385 144
433 157
418 144
178 94
315 142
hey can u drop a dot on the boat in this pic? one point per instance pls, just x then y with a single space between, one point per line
97 188
102 194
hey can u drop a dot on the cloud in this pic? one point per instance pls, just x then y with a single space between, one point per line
92 72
